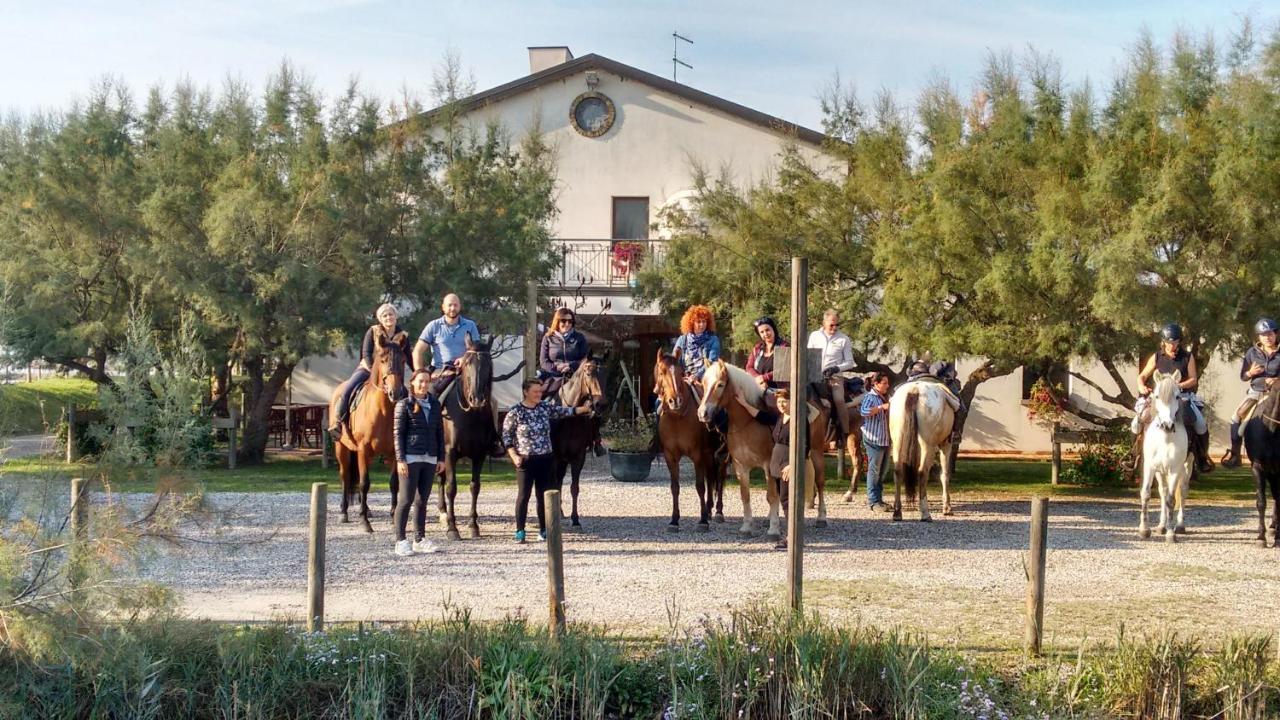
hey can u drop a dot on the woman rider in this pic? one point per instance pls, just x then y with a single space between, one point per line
387 322
697 347
760 362
563 350
1172 356
1260 368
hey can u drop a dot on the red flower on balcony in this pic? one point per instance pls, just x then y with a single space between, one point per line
627 257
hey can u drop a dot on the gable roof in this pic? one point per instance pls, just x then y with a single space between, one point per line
599 62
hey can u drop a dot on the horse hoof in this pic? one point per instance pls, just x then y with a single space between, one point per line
948 513
745 532
819 523
444 519
673 528
927 518
813 506
703 527
848 497
345 519
367 527
1170 537
575 523
1181 530
1262 542
1144 533
453 535
772 536
719 517
475 533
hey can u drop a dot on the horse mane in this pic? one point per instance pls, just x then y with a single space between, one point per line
1166 389
745 384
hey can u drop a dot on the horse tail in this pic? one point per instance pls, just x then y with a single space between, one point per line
908 468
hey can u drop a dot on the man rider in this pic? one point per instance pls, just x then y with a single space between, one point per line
1172 356
837 361
1260 368
446 339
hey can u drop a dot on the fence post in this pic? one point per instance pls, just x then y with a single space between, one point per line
79 533
799 451
1057 457
231 439
73 447
555 563
324 440
1035 574
315 557
531 331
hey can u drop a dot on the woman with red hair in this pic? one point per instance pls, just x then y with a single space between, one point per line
697 345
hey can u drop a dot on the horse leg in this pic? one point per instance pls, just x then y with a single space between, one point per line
744 489
818 466
922 488
1260 489
1275 498
717 483
451 495
1167 489
853 444
673 471
576 469
442 474
944 451
363 461
899 474
706 493
1180 502
477 464
772 496
1144 497
345 468
394 482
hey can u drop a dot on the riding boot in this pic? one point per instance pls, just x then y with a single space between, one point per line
1232 458
1201 447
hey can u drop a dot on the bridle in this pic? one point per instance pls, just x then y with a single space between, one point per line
468 382
584 378
669 383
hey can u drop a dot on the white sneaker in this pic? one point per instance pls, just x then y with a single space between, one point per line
425 546
404 548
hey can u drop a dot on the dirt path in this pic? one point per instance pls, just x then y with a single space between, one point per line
959 578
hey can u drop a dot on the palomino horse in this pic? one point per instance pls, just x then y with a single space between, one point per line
571 437
367 434
1165 458
468 432
682 435
1262 443
921 416
751 443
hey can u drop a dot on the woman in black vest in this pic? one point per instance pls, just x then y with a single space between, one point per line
1172 356
419 444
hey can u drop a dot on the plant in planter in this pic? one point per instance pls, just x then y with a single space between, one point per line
628 443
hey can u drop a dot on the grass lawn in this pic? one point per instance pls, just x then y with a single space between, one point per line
28 407
987 478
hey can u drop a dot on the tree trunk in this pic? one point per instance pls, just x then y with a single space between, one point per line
981 374
262 392
218 393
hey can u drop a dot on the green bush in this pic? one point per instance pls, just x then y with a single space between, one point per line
1102 462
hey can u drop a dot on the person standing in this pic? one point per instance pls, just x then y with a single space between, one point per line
837 362
526 433
419 442
875 436
1260 367
445 338
562 350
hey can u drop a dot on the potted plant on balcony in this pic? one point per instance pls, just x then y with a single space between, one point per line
628 256
628 443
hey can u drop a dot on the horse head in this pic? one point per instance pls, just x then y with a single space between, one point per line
476 373
668 382
585 384
388 363
1164 400
715 390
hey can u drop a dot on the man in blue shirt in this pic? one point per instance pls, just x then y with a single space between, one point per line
446 338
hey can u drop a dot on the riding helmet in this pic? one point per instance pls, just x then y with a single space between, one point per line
1171 333
1265 325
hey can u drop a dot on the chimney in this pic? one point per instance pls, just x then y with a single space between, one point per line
549 56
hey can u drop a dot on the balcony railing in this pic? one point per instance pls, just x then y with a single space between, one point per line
594 264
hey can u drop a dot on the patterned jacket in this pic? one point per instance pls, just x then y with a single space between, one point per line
528 429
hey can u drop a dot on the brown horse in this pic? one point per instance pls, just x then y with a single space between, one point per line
751 443
468 432
682 435
572 437
367 434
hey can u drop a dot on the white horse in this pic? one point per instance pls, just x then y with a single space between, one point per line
751 443
1165 457
921 415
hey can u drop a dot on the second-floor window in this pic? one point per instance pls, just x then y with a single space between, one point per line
631 218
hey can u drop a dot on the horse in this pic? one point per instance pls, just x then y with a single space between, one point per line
921 417
571 437
751 443
1165 457
682 435
367 434
1262 444
468 432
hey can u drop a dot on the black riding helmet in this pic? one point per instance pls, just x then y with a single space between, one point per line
1265 325
1171 333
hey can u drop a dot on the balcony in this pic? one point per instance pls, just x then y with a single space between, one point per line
604 267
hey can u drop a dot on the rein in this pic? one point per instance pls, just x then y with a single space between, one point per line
464 375
677 388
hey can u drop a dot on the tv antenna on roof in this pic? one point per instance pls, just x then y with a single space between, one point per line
676 37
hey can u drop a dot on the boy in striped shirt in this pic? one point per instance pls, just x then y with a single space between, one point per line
875 436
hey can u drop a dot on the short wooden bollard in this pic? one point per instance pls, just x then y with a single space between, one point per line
555 563
1056 472
73 447
315 557
231 425
79 533
1035 574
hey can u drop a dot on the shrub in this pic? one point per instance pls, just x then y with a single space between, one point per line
627 435
1103 462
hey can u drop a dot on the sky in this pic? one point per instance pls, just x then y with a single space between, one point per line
772 56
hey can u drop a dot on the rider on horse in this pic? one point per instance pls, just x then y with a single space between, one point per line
760 363
1170 357
1260 368
837 362
563 350
387 323
697 345
446 338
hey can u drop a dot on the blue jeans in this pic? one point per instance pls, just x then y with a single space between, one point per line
875 462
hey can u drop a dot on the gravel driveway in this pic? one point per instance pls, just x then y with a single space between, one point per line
959 578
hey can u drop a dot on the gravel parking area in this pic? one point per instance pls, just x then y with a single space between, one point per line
958 579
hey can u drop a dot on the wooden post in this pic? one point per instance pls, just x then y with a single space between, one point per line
231 439
531 331
324 440
79 533
315 557
288 414
1035 574
799 456
1057 457
555 563
73 447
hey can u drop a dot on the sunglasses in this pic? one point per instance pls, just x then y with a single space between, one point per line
566 320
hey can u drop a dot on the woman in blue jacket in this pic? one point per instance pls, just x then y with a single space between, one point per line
419 439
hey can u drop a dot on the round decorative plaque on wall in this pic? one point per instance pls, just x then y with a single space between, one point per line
592 114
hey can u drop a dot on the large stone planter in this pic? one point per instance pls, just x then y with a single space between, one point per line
630 467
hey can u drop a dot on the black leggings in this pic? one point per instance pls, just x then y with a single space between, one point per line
533 475
417 482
